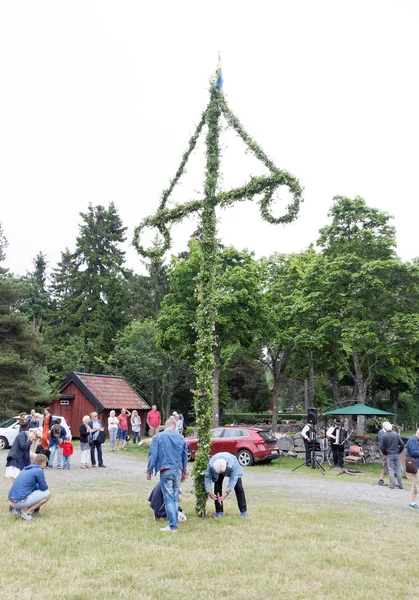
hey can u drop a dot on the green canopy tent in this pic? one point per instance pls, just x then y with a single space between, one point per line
358 409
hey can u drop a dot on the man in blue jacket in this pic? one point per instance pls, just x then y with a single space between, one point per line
412 451
30 490
223 465
168 455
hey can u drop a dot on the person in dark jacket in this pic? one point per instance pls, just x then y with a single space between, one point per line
57 436
157 504
30 490
392 446
23 422
18 456
412 451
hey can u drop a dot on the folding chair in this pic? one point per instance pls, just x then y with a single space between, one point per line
356 455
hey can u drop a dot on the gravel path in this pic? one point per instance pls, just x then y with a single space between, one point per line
301 486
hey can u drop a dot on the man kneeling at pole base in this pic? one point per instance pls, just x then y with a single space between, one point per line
223 465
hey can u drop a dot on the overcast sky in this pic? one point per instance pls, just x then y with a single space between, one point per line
98 100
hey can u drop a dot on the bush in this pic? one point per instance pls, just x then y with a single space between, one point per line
257 418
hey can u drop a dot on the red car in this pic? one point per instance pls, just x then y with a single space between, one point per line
248 444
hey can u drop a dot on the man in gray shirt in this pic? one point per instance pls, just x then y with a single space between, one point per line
392 446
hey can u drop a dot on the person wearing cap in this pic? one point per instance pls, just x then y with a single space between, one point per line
223 465
335 433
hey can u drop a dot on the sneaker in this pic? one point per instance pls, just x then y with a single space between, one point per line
58 466
103 466
413 506
244 515
401 487
391 487
168 528
218 515
25 516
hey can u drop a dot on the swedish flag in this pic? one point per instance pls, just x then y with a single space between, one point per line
219 74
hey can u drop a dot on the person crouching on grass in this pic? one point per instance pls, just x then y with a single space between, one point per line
30 490
223 465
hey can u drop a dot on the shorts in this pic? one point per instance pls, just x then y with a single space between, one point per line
122 434
414 478
31 500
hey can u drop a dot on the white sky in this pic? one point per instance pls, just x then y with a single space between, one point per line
98 100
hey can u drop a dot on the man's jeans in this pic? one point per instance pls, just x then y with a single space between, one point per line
170 484
59 451
394 465
98 447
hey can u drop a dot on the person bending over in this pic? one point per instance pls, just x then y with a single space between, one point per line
30 490
223 465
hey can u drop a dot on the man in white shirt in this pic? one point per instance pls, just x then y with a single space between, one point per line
337 434
307 433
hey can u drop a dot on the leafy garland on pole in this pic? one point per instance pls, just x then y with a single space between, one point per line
165 217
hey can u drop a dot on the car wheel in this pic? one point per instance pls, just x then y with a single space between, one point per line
245 458
3 443
189 456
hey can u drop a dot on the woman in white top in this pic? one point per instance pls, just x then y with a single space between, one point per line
136 426
113 425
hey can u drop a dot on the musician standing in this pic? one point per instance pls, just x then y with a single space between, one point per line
338 435
306 433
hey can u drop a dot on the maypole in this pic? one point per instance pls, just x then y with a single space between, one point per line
165 217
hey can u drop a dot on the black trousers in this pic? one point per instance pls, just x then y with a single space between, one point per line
338 452
308 450
238 488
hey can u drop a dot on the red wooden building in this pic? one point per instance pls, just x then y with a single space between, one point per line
83 393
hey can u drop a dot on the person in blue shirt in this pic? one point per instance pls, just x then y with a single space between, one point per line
30 490
223 465
412 451
168 455
57 436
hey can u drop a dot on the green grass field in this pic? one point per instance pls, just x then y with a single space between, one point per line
97 538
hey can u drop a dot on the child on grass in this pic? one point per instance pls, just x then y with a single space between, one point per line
68 449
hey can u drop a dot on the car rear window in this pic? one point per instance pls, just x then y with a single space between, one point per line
268 437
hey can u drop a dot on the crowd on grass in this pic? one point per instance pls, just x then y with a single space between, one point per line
35 448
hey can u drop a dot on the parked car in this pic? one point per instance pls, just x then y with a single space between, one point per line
10 428
248 444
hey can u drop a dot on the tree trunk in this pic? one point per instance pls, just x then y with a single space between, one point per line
334 379
306 405
311 381
394 399
294 395
275 398
216 387
361 391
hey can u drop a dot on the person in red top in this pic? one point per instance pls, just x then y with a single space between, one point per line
153 421
67 448
123 429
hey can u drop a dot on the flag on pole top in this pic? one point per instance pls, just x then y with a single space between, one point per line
219 74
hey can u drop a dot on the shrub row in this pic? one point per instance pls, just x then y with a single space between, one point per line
253 418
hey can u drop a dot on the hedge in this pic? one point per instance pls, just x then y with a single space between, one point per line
253 418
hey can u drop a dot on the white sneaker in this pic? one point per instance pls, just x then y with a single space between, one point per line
168 529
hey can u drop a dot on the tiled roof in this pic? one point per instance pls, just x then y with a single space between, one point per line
112 392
